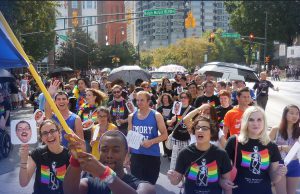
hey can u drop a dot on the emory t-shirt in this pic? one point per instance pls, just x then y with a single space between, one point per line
202 174
253 165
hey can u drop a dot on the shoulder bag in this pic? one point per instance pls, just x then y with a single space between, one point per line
168 143
233 172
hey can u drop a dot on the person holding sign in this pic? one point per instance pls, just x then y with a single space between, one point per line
49 162
145 161
107 174
104 124
285 136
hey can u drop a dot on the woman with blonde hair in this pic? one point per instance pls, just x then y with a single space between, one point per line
257 160
49 162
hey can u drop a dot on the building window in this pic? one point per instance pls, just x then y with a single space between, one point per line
74 4
89 4
95 4
83 5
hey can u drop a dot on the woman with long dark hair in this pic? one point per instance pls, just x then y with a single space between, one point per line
285 136
165 104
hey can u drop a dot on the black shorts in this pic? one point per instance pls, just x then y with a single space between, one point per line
145 167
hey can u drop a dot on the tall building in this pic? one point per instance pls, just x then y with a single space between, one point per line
131 24
163 30
94 8
112 33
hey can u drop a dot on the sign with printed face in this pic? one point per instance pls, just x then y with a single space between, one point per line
23 131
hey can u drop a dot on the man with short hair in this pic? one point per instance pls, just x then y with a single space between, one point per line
62 102
145 161
232 119
221 85
262 90
118 110
208 97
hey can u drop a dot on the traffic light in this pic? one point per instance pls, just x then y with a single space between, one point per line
267 60
211 37
190 21
75 19
251 37
129 17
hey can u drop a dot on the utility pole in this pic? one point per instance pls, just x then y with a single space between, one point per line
265 46
184 16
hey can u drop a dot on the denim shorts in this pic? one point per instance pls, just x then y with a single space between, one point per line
293 169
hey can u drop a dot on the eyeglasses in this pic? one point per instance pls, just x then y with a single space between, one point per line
203 128
102 116
146 87
183 97
116 92
51 132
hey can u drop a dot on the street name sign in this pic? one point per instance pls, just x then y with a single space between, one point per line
158 12
230 35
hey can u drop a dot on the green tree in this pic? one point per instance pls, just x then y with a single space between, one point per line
249 16
31 16
84 48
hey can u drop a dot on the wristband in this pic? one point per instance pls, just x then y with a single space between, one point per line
108 176
74 162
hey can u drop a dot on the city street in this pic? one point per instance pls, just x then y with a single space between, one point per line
289 92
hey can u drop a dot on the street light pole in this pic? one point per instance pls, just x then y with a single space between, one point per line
265 46
138 49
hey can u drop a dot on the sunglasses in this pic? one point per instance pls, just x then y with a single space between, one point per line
51 131
183 97
116 92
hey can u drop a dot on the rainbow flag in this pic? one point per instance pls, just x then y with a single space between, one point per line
212 172
265 159
45 174
93 117
116 112
60 172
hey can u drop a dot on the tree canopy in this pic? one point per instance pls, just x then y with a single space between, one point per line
249 16
32 16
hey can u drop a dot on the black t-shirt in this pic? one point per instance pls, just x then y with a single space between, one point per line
96 187
202 174
212 100
175 85
221 111
253 165
165 112
50 170
119 110
4 107
181 133
262 87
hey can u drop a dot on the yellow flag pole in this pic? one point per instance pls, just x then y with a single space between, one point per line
35 75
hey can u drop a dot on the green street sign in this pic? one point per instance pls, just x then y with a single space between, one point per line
230 35
158 12
63 37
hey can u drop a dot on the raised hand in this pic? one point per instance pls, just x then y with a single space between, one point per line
53 87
